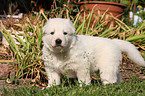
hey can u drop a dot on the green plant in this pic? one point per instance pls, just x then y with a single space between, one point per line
28 62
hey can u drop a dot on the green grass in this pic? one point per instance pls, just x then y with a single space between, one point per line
135 87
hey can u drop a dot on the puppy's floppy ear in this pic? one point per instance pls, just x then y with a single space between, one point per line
74 36
72 26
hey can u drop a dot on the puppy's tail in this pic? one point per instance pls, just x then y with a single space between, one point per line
131 51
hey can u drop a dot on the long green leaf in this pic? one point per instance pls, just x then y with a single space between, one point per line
89 20
19 39
100 25
134 38
106 31
5 36
11 42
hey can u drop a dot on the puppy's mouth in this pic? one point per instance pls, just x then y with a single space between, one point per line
58 46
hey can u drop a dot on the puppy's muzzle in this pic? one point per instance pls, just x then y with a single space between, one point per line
58 42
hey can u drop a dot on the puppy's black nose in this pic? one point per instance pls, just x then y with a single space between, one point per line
58 41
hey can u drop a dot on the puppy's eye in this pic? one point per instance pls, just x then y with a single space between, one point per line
52 33
65 33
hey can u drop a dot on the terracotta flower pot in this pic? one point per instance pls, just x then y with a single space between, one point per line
116 9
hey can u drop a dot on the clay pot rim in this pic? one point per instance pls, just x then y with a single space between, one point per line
101 2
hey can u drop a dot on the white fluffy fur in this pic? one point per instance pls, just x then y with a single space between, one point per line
79 55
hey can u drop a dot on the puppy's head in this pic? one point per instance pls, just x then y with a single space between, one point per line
58 34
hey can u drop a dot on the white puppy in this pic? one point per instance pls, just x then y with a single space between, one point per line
79 56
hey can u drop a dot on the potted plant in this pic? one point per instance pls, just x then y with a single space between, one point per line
116 9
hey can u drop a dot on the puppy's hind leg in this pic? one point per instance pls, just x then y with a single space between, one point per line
109 74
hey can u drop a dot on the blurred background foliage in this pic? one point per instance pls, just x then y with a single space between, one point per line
28 6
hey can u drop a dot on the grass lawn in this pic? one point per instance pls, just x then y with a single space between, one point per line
136 87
